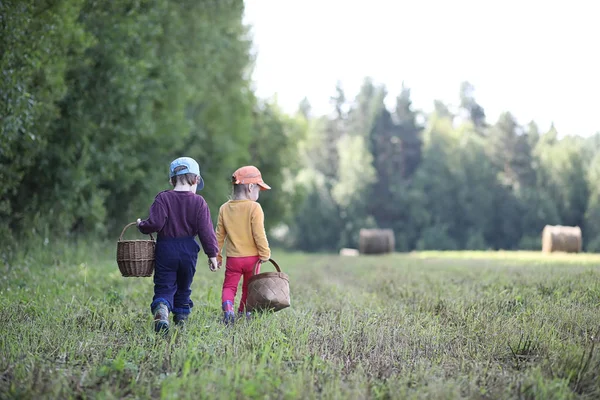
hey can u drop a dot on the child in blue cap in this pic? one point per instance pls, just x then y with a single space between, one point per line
179 215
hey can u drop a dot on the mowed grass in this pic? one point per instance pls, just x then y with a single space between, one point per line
423 325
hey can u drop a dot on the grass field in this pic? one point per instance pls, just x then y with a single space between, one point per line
422 325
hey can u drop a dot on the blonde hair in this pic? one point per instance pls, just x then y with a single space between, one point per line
239 190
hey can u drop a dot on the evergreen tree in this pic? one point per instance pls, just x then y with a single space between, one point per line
475 112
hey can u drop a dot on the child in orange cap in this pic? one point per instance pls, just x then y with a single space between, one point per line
241 224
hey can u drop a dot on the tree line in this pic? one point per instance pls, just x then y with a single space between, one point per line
96 99
445 180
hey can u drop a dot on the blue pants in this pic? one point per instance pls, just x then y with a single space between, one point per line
174 272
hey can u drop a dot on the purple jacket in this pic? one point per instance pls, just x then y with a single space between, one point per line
181 214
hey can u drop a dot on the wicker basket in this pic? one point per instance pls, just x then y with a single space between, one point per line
135 257
268 290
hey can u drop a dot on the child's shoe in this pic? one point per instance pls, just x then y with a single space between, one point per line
242 314
228 313
161 318
228 318
180 319
181 314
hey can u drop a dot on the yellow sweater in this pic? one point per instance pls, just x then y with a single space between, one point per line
242 224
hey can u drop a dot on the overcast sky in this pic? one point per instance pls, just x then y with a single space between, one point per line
538 59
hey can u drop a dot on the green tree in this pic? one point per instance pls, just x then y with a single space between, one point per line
409 133
591 228
395 144
324 153
511 153
436 180
475 112
477 186
562 174
38 41
274 149
533 134
317 223
355 174
110 94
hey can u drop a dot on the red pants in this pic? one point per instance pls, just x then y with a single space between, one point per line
234 269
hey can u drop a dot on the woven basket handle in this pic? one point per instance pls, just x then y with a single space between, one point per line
272 262
127 226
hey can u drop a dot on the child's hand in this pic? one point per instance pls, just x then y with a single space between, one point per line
213 265
137 223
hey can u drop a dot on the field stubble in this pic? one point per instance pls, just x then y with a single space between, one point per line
422 325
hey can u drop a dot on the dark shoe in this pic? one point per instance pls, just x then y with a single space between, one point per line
247 314
228 318
180 319
228 314
161 318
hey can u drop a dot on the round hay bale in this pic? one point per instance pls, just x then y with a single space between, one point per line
376 241
558 238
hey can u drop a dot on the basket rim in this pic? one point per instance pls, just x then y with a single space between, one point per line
263 275
126 227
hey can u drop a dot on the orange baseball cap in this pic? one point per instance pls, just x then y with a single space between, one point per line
249 174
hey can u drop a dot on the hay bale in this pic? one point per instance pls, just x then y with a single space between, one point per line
560 238
376 241
349 252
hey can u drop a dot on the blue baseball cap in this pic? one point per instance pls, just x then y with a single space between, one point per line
191 167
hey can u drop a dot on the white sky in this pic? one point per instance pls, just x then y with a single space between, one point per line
538 59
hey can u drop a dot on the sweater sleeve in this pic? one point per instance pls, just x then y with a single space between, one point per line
258 232
221 234
206 232
156 220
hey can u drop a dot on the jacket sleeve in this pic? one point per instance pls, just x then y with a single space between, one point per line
258 232
157 218
206 232
221 234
